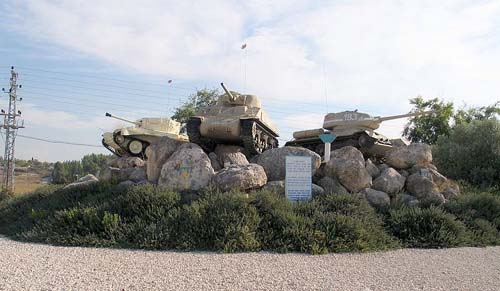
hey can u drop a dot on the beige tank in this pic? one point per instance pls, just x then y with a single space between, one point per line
133 140
351 128
234 119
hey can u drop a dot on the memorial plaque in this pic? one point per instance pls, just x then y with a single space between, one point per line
298 181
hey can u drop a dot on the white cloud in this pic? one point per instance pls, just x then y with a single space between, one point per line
370 55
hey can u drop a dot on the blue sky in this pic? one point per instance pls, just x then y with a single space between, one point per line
80 59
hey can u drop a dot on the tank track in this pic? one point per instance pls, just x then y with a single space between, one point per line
193 132
251 139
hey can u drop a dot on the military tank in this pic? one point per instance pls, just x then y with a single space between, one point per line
352 128
133 140
234 119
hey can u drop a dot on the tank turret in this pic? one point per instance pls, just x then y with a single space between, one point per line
133 140
350 128
234 119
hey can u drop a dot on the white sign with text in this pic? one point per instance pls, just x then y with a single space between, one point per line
298 181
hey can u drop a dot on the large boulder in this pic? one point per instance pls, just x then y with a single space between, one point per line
317 190
215 161
377 199
452 190
421 187
158 152
241 177
277 187
230 155
332 185
372 169
273 161
390 181
348 166
129 162
83 182
188 168
137 175
406 157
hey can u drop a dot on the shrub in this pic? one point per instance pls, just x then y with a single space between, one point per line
349 223
281 228
219 221
471 152
481 213
426 227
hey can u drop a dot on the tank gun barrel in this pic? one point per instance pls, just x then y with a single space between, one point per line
122 119
406 115
231 97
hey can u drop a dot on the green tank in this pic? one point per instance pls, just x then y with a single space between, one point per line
234 119
351 128
134 140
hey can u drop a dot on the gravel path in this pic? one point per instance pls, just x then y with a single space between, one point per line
26 266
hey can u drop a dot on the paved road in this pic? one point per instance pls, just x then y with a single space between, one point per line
40 267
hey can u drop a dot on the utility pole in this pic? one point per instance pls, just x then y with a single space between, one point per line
11 125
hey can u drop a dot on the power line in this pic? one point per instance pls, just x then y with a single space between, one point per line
59 141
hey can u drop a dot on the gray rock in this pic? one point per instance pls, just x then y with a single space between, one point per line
406 157
158 152
277 187
273 161
390 181
125 184
137 175
88 177
438 179
404 173
377 199
116 174
332 185
129 162
230 155
241 177
382 167
215 161
372 169
188 168
83 182
421 187
348 166
317 190
408 200
451 191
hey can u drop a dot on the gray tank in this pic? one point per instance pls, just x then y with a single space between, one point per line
133 140
352 128
234 119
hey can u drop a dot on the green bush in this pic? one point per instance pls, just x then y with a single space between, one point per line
149 217
426 227
281 228
481 213
349 223
471 152
219 221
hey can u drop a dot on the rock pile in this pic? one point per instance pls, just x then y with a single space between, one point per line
406 173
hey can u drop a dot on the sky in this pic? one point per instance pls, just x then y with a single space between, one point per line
79 59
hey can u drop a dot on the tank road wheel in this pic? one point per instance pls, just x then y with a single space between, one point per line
118 138
256 139
135 147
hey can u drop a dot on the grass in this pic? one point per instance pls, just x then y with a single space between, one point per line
147 217
26 183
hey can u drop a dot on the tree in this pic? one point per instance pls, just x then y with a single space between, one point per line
201 98
427 128
471 152
467 115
